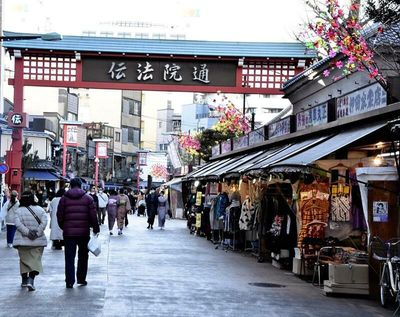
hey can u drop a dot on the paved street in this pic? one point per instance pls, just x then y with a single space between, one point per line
167 273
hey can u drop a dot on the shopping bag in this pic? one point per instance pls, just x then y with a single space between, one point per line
94 245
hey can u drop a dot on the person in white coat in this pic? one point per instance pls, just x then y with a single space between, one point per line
56 233
30 240
103 201
9 209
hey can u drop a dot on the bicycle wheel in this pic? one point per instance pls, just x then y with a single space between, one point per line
385 294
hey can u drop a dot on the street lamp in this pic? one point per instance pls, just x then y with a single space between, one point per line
14 155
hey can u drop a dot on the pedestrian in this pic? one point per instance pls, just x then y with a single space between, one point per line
162 209
151 205
56 234
9 209
132 200
30 240
141 205
112 210
103 200
93 194
124 206
76 213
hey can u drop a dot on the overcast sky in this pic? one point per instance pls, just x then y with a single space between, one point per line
233 20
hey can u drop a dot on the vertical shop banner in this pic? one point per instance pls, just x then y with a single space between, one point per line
174 155
101 149
340 202
198 198
71 135
380 212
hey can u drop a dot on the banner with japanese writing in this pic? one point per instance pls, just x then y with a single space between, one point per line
101 149
312 117
360 101
165 72
71 132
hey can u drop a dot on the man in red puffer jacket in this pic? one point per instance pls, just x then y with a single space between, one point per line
76 213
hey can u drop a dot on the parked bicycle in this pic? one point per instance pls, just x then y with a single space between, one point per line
389 253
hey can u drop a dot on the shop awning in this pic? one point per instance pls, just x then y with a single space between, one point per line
204 169
212 173
329 146
286 152
40 175
173 182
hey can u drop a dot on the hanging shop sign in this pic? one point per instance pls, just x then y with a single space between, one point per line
165 72
101 149
256 136
198 198
226 146
71 133
380 211
241 142
281 127
363 100
312 117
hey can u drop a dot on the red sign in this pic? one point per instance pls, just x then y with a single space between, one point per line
17 120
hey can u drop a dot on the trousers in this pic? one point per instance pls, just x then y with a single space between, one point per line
71 244
11 229
101 214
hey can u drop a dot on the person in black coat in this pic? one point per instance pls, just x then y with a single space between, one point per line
151 205
93 194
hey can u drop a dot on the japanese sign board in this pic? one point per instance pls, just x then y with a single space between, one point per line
380 211
226 146
256 136
165 72
101 149
312 117
215 150
17 120
360 101
71 134
241 142
279 128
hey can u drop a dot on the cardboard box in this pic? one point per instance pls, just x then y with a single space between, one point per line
348 273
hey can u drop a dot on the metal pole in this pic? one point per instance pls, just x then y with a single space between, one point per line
64 165
96 173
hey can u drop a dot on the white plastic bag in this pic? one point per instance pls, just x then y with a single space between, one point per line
94 245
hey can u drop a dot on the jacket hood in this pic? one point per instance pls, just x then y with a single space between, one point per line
75 193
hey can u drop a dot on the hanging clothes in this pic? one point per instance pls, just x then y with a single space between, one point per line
246 221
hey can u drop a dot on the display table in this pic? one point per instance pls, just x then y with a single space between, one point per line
347 279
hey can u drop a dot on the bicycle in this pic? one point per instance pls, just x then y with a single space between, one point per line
390 274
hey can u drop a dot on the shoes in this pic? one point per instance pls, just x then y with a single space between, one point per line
148 227
111 233
151 227
119 232
9 245
24 282
68 285
83 283
30 284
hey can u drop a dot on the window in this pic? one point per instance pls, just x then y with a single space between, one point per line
160 124
89 33
106 34
131 135
124 34
124 135
130 106
117 136
163 147
159 36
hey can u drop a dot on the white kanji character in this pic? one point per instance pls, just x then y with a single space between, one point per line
171 72
201 74
117 72
146 73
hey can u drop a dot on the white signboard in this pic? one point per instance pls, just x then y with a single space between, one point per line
156 166
363 100
312 117
101 149
72 135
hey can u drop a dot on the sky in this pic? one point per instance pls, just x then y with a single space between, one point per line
231 20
